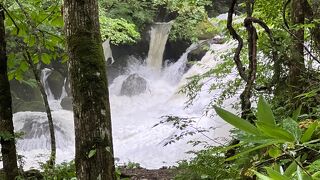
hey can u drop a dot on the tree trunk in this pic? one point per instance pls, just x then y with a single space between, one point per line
89 87
52 159
28 58
296 64
8 147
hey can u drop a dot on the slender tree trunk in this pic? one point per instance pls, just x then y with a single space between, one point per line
296 64
89 87
52 159
28 58
8 147
252 56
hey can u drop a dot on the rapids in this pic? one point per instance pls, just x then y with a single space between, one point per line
135 139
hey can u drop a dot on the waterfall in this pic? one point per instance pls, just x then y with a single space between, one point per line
158 38
134 137
45 73
107 51
64 91
175 71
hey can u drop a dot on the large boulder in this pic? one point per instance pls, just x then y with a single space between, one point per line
66 103
133 85
56 82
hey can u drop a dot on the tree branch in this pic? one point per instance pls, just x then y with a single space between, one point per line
236 36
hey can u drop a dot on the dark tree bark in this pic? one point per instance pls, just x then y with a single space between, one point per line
8 147
249 76
296 64
89 87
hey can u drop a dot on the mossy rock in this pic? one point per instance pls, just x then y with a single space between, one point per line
206 30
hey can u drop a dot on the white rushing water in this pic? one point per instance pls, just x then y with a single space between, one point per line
159 35
135 138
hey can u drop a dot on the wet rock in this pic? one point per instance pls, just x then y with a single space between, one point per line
133 85
56 82
66 103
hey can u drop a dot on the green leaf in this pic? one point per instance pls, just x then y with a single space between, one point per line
309 132
274 152
296 113
291 168
236 121
46 58
262 177
276 175
250 150
275 132
92 153
24 66
264 113
299 173
292 127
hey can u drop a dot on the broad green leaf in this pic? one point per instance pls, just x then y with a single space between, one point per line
292 127
275 132
262 177
236 121
250 150
291 168
276 175
309 132
299 173
264 113
45 58
296 113
92 153
24 66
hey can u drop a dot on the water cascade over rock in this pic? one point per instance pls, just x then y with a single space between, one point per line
134 115
107 52
158 38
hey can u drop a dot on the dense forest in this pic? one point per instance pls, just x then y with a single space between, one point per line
160 89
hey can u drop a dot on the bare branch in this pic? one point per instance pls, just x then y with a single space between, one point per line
236 36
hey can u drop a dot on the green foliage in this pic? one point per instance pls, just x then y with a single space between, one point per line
119 31
187 15
208 164
138 12
63 171
285 142
133 165
34 27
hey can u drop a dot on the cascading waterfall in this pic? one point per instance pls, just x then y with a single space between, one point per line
135 138
158 38
45 73
107 51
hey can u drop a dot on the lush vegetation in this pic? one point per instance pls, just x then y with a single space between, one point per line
275 57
